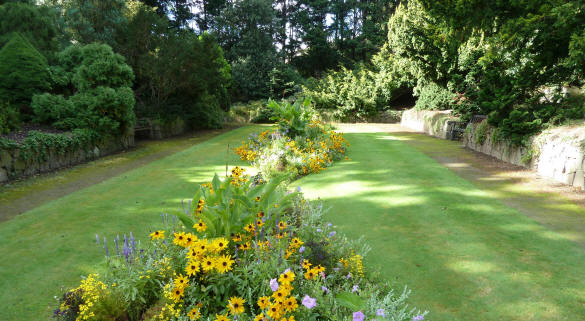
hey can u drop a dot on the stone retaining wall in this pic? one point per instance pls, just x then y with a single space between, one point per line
557 153
432 122
14 165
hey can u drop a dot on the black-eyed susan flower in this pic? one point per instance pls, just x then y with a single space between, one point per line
264 302
260 317
280 294
290 304
221 317
157 235
286 277
282 225
275 311
236 237
179 239
192 268
194 314
250 228
306 264
189 239
201 247
296 242
259 223
223 263
236 305
260 214
310 274
245 246
257 199
220 244
181 281
177 294
200 226
208 264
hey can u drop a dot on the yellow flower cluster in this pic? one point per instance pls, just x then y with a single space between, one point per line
293 246
356 265
312 272
91 289
281 302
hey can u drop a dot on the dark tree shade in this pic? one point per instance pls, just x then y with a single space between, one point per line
33 23
23 72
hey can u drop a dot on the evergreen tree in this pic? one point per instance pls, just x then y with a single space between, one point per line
23 72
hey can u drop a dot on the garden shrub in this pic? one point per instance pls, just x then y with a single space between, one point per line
97 84
245 250
23 72
434 97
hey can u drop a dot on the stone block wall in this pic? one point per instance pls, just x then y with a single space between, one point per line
14 164
557 153
432 122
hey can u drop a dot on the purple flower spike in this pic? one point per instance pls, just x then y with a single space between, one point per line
325 289
106 247
309 302
358 316
302 249
381 313
332 234
355 289
418 318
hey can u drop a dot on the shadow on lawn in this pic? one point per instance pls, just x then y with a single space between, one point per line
464 253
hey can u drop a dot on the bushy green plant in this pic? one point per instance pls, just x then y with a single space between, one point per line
23 72
292 118
98 84
434 97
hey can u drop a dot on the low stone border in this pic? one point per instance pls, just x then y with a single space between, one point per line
432 122
557 153
14 164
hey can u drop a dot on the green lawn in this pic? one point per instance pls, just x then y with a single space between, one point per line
50 247
464 254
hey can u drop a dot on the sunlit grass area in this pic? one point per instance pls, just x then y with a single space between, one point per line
464 254
47 249
462 251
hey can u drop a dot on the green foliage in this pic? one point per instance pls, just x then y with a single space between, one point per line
481 132
23 72
36 24
95 21
97 82
9 118
292 118
434 97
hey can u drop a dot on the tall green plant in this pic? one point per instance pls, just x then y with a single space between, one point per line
292 118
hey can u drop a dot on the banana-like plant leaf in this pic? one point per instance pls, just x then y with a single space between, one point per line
350 301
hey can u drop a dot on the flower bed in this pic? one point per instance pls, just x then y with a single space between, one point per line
245 250
300 145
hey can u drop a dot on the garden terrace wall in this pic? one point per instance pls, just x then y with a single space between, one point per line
18 163
432 122
557 153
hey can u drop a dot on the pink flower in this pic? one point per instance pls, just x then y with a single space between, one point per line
309 302
274 285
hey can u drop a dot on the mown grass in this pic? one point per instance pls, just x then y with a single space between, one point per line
47 249
464 254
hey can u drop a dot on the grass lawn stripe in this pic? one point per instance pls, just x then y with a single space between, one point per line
465 254
48 248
